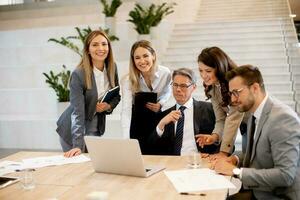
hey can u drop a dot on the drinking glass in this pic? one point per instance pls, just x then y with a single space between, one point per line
194 160
27 179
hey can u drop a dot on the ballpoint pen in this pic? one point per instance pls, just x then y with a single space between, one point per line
21 170
192 193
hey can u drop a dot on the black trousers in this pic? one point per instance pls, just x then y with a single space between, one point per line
242 195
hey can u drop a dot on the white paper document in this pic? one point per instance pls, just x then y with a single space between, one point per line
7 166
195 180
53 160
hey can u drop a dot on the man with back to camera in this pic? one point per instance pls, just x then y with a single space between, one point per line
179 126
270 167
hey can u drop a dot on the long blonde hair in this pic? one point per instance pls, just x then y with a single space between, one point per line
134 73
87 65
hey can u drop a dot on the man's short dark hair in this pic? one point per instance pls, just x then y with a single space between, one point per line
185 72
248 73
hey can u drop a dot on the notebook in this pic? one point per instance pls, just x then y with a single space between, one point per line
118 156
110 94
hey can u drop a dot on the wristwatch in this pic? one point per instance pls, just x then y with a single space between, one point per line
236 172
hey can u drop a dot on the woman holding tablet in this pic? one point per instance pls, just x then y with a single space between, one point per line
145 75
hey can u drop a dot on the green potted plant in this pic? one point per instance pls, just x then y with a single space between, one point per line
146 18
160 11
142 18
59 83
109 11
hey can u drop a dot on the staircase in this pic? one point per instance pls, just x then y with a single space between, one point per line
257 32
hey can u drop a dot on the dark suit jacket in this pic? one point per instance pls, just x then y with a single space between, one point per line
204 122
82 108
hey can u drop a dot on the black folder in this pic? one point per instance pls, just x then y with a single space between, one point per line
141 98
110 94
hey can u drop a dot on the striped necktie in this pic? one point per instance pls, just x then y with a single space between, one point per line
179 132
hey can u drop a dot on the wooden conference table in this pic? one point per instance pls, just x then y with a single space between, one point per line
75 181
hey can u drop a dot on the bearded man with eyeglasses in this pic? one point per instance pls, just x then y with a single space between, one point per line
270 168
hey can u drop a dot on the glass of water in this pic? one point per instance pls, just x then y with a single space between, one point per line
27 179
194 160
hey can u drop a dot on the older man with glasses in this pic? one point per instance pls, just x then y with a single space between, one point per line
178 129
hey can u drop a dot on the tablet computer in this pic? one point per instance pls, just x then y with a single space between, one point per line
142 98
6 181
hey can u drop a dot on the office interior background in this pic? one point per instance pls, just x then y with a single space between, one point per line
258 32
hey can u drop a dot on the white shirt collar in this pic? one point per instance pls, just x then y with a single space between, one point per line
98 72
259 109
187 104
156 75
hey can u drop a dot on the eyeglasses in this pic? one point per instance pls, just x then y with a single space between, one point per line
181 86
235 93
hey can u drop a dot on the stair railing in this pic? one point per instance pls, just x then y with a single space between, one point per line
291 47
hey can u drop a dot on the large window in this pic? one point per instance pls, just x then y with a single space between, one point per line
12 2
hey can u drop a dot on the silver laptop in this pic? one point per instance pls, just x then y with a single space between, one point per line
118 156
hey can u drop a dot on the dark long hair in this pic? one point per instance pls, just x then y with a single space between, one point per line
216 58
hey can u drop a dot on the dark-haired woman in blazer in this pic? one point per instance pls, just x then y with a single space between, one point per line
213 65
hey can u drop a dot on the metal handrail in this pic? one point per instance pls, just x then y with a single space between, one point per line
291 19
292 47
